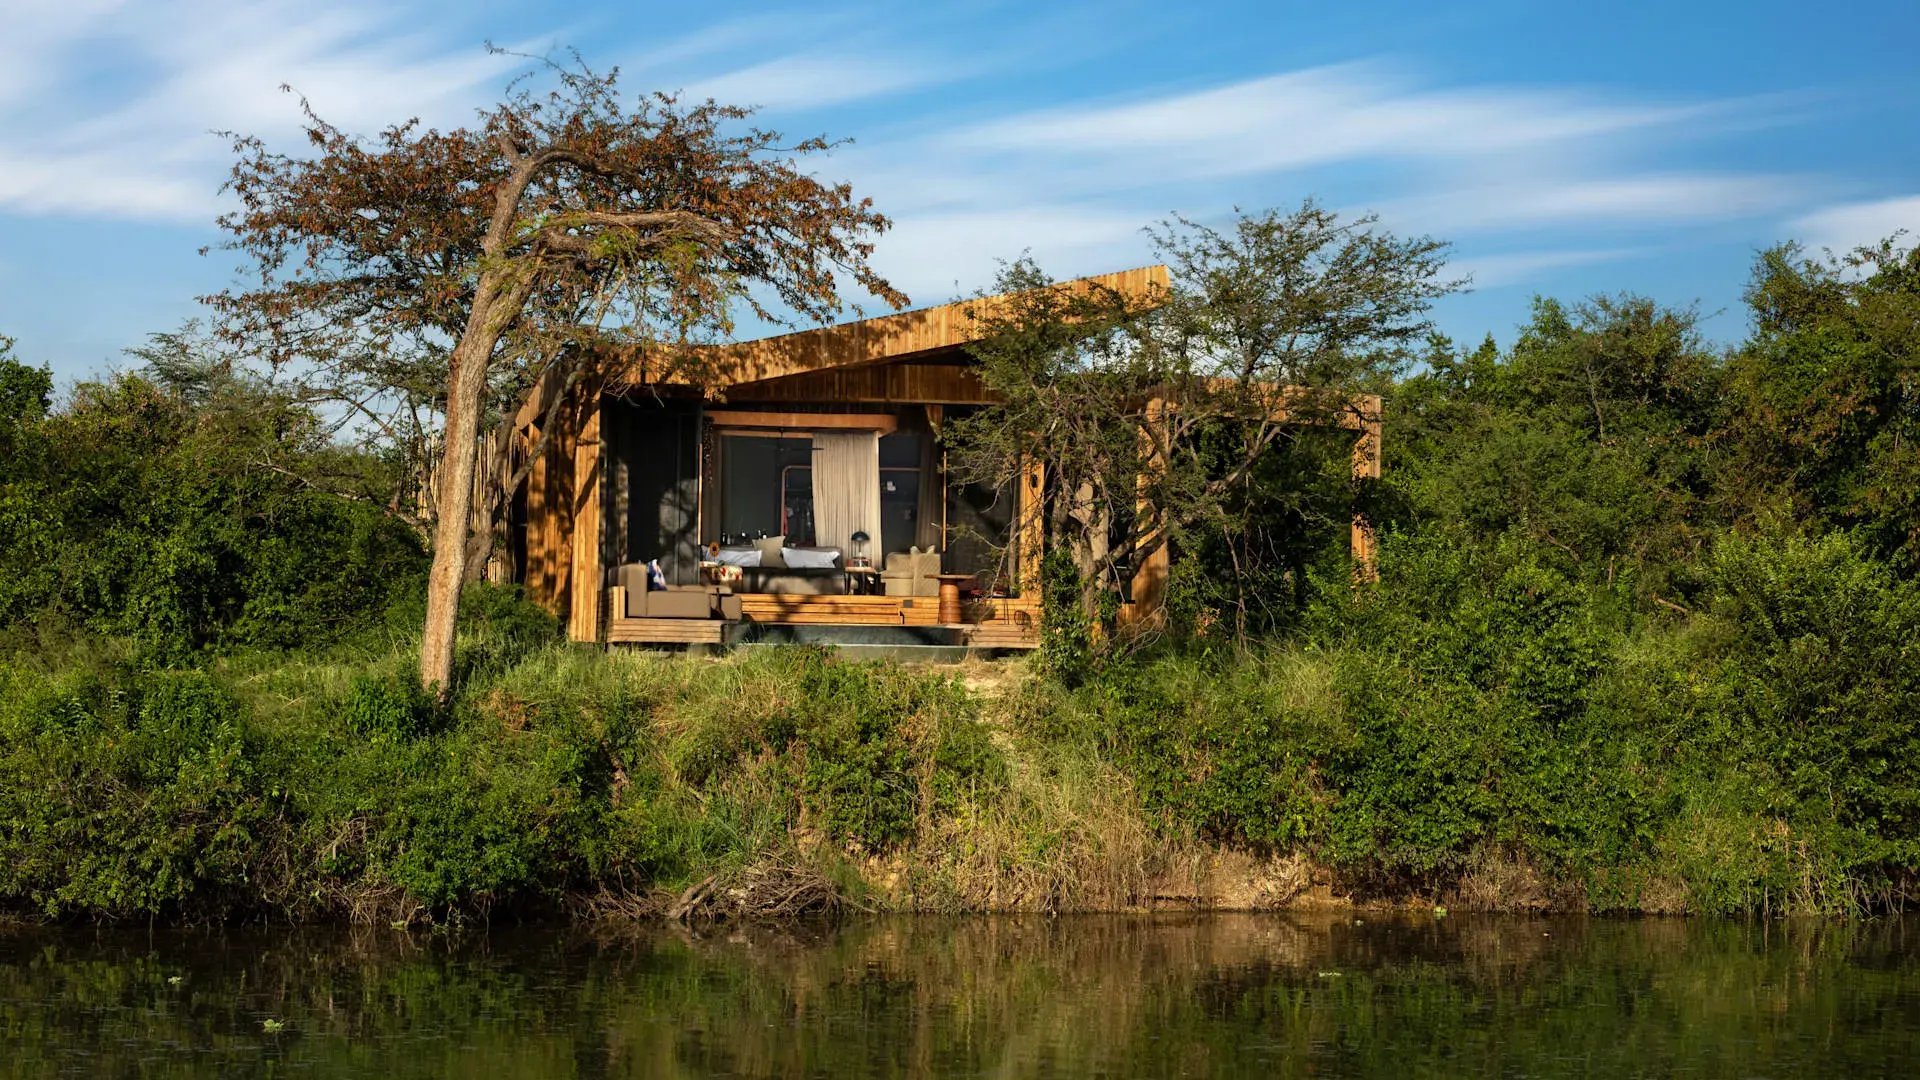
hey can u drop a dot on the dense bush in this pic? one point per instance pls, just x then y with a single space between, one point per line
125 792
182 521
1478 704
314 788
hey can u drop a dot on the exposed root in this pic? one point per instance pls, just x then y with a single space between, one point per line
773 888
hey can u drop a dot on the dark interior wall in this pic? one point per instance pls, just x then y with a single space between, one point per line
654 476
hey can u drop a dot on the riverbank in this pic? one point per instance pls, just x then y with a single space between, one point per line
578 783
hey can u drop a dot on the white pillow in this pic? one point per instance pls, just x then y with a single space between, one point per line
809 558
739 556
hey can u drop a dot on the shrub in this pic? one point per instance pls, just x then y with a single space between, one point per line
125 793
392 706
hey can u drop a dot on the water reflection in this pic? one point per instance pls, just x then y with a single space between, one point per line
1218 995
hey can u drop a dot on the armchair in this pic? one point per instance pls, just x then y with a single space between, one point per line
905 573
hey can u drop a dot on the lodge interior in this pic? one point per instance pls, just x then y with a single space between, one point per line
686 474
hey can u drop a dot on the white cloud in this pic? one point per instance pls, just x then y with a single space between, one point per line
1072 182
1485 160
36 40
1847 226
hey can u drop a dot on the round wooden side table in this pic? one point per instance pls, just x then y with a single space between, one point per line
950 596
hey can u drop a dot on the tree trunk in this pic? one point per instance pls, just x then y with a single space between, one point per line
460 449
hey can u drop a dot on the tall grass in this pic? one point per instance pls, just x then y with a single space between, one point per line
1473 731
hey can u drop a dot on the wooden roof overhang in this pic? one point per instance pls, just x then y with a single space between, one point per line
929 339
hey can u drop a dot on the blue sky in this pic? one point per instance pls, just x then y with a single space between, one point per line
1564 149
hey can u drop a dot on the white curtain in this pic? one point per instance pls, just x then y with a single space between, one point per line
846 489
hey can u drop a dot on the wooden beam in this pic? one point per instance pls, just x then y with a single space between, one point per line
803 421
549 517
880 383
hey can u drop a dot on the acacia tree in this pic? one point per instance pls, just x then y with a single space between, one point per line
1153 416
422 271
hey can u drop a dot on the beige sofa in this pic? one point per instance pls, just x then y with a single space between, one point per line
675 601
905 573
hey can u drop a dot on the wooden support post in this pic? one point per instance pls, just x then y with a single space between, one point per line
547 517
1150 572
1031 531
1366 466
589 526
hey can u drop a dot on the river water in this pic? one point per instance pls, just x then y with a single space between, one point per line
1200 995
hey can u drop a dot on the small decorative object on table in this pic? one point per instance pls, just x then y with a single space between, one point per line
719 573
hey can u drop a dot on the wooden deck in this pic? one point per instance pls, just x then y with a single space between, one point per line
993 623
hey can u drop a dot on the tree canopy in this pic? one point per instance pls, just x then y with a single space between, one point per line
425 272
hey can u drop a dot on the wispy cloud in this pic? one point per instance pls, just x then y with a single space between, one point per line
1846 226
1072 181
1317 116
813 81
1526 163
185 70
937 256
1557 198
1491 271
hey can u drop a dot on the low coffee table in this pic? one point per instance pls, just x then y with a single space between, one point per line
861 580
950 613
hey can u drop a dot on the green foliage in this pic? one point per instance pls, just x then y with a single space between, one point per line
1223 749
1593 438
337 787
1646 628
1826 395
390 707
877 746
1167 401
1066 628
181 520
124 792
25 392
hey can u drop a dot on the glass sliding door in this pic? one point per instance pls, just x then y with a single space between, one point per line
766 488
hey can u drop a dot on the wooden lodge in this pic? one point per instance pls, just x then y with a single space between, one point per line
797 482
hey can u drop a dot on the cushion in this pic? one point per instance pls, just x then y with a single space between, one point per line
685 603
810 558
770 550
748 556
